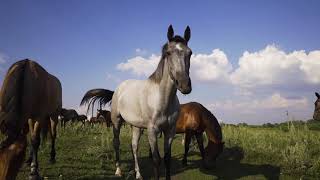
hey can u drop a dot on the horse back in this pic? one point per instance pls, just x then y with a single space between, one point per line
42 92
191 118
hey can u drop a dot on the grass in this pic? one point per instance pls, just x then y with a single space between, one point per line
250 153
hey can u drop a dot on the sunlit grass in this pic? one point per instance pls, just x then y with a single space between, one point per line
250 153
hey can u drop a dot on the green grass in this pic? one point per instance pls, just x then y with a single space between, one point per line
250 153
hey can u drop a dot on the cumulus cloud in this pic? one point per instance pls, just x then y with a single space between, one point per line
204 67
140 65
275 101
276 68
269 80
211 67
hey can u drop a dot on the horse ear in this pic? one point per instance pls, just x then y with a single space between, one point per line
170 33
187 34
318 96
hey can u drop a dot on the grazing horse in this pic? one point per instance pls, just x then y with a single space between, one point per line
106 115
194 119
68 115
151 104
82 118
316 114
30 100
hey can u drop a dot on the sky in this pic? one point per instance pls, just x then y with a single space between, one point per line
252 60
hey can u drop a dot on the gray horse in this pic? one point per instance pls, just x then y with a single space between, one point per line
151 104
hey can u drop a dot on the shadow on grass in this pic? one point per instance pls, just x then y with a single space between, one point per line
228 166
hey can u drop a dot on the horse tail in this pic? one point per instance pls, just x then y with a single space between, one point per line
11 122
213 128
103 96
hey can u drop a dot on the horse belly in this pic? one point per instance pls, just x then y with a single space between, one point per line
128 105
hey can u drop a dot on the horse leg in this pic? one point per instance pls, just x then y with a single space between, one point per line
35 142
183 139
200 145
54 122
29 160
136 133
168 138
116 144
152 137
188 136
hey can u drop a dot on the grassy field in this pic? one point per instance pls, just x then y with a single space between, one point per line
250 153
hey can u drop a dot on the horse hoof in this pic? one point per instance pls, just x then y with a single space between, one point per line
138 176
118 172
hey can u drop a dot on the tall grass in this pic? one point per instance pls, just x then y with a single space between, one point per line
296 151
250 153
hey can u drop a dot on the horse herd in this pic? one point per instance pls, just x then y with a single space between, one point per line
31 103
102 117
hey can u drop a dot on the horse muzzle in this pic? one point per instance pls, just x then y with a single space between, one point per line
184 85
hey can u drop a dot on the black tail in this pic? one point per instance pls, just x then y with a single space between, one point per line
103 96
11 123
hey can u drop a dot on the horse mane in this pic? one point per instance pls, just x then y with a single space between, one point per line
213 128
156 76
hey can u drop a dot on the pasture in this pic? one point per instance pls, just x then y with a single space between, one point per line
250 153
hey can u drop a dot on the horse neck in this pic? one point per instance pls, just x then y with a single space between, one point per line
212 130
167 87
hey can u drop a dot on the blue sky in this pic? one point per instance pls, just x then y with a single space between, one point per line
83 42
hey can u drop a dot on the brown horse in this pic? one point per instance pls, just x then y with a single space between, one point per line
30 100
82 118
194 119
316 114
68 115
106 115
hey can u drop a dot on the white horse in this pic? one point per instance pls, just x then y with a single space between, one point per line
151 104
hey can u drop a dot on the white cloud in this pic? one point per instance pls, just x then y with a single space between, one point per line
270 81
140 65
275 101
204 67
276 68
211 67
